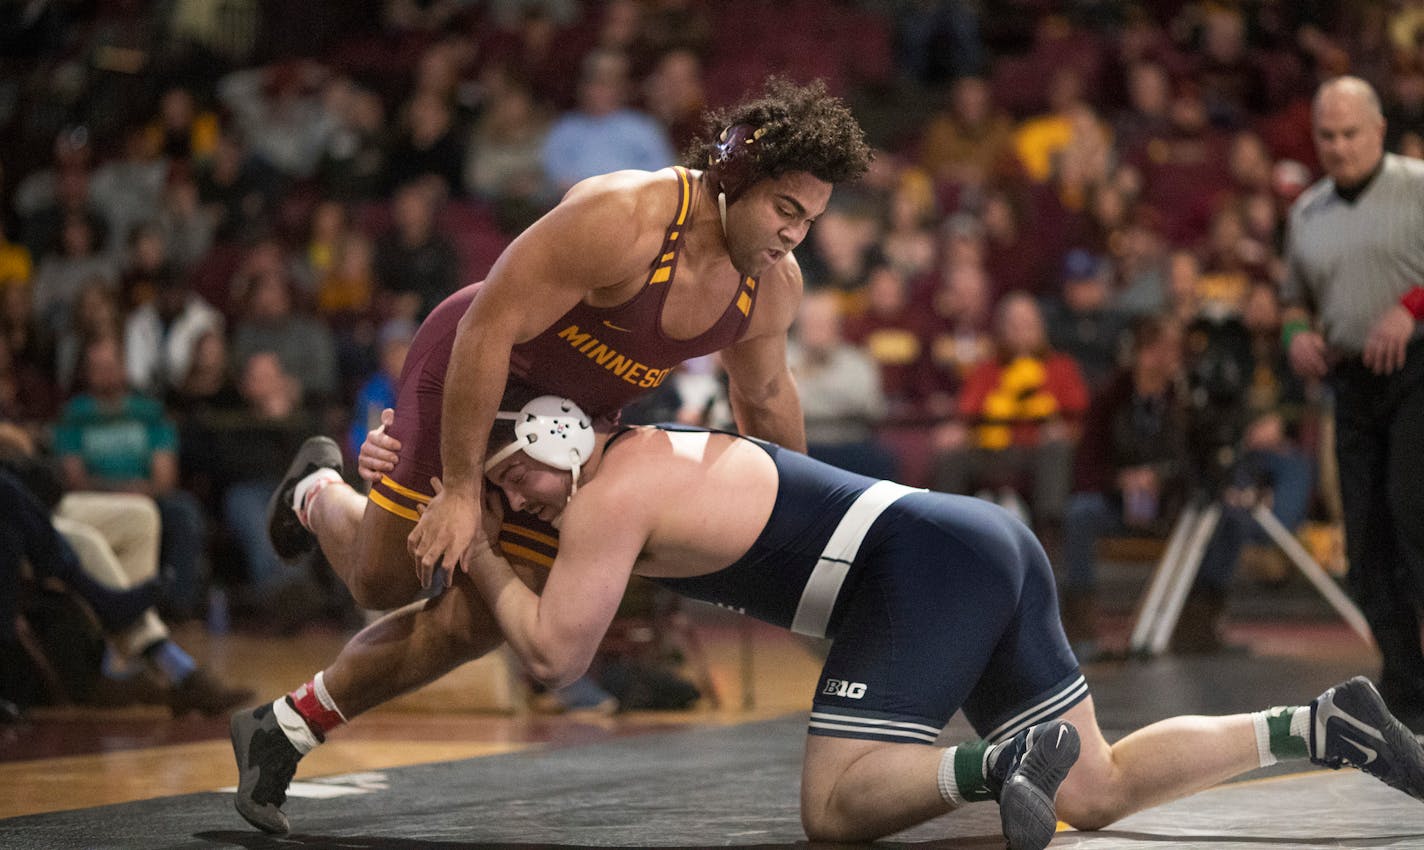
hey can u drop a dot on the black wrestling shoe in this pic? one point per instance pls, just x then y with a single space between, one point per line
1350 726
289 537
1026 807
266 762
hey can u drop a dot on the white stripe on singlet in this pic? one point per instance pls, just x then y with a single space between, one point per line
869 726
818 598
1046 709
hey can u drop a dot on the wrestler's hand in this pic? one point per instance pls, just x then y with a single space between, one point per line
442 537
1307 354
1388 339
378 454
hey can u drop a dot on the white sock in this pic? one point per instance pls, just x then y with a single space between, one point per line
1263 739
948 785
324 696
307 489
294 727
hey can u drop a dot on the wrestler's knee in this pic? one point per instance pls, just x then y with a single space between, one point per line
822 824
468 624
1087 801
380 583
377 592
1095 792
830 793
381 574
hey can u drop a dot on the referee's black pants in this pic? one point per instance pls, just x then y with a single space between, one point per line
1379 443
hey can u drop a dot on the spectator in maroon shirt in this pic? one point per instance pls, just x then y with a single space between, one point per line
1183 170
1014 255
1149 98
959 336
894 332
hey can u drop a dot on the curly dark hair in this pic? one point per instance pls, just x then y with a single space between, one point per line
806 129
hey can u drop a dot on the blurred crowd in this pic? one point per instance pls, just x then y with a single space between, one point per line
221 222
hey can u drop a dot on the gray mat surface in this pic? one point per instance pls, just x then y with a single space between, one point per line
737 786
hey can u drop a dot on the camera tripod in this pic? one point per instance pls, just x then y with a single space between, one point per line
1171 581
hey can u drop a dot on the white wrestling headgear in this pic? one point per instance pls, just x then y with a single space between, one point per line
551 430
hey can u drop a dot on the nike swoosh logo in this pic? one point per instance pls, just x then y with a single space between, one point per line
1370 754
1325 713
1062 730
608 324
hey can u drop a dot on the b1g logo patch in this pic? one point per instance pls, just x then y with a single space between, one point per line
842 688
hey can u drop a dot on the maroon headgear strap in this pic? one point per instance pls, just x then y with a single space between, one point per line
729 163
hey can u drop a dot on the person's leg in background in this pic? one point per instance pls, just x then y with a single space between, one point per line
184 537
49 556
1052 481
1377 578
1289 474
1088 517
288 595
134 522
1285 476
1198 630
101 561
244 512
30 544
1405 500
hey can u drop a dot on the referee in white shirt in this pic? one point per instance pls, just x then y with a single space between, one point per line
1355 286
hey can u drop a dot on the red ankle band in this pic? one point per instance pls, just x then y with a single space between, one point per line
320 718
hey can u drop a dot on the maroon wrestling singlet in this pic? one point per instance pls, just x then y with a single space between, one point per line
601 357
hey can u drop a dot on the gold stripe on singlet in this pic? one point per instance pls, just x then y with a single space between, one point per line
744 299
538 537
538 558
663 272
405 491
399 510
686 195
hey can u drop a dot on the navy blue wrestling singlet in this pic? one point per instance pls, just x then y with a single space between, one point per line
935 602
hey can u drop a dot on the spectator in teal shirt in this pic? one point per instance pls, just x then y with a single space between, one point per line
111 438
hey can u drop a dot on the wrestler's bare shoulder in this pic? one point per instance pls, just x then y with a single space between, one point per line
601 234
648 457
784 278
643 199
779 292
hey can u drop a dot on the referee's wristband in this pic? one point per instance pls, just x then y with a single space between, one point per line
1413 301
1290 329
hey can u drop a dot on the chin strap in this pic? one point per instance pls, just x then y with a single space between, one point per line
494 459
573 488
722 208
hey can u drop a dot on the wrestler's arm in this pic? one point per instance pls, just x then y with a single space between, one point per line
556 633
591 240
763 393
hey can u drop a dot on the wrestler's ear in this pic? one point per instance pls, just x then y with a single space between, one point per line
491 518
494 505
